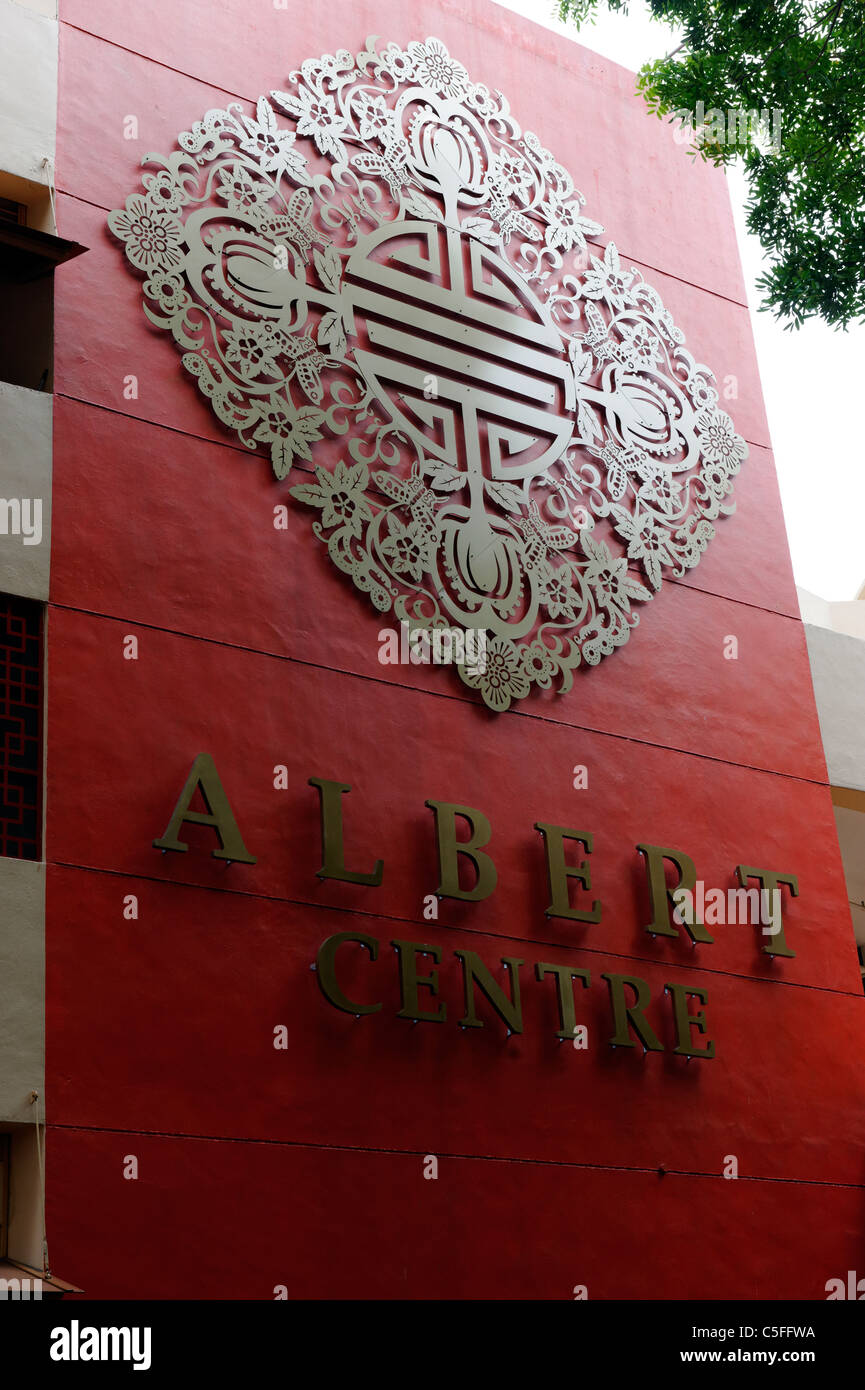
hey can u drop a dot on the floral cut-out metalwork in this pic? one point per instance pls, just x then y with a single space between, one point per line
382 280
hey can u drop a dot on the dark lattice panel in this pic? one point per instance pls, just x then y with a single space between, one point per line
20 728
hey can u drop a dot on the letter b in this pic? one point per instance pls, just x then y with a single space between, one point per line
450 848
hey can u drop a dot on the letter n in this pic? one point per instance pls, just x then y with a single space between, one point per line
475 972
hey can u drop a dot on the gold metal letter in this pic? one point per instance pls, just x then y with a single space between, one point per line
769 884
685 1021
662 896
559 872
204 777
325 971
508 1010
623 1012
450 848
410 981
564 974
332 845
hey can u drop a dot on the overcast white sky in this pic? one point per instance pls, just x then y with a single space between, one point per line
813 379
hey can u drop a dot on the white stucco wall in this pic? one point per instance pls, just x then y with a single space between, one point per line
28 91
851 840
22 984
847 616
838 672
25 473
28 117
43 7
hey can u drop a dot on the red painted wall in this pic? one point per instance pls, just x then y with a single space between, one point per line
304 1167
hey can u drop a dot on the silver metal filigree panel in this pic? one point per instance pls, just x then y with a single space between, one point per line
509 433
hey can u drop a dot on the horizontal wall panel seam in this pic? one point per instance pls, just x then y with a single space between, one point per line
157 62
692 966
301 464
454 1157
441 694
309 468
595 245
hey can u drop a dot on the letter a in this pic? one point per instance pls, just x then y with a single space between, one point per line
204 778
60 1339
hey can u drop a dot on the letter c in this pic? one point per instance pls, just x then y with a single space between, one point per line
325 963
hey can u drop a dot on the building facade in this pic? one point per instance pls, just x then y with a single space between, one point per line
835 633
295 1036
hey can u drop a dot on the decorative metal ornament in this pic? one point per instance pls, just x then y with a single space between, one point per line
508 427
